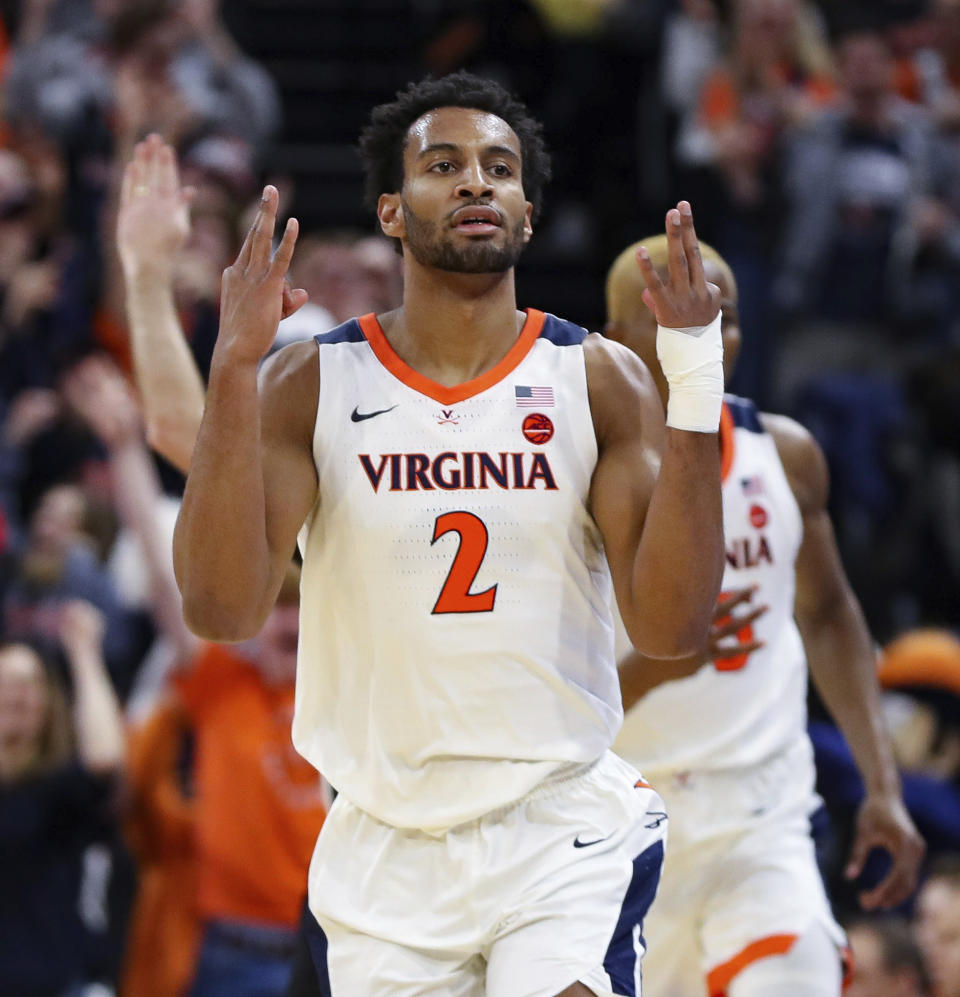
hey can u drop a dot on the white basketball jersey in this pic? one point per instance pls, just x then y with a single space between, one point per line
741 712
456 641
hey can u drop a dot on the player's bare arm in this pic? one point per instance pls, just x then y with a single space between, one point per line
841 659
252 479
656 491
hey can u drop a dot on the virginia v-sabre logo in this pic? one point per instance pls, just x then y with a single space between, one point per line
357 416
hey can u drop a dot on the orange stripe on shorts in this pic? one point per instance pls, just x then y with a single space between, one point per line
718 979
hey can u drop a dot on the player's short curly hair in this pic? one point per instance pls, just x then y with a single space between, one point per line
383 140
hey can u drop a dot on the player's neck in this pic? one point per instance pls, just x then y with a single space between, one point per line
454 327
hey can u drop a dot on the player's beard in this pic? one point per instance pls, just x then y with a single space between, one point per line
430 246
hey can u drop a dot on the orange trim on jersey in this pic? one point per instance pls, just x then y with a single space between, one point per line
718 979
401 370
726 441
642 784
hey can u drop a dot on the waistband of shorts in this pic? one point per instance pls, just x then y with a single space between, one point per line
559 781
783 760
556 783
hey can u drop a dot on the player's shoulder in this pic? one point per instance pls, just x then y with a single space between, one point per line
802 459
613 364
298 360
613 370
289 387
623 397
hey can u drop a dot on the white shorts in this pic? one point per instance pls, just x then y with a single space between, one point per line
522 902
750 891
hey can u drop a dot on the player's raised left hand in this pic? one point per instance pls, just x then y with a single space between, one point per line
255 294
687 298
883 822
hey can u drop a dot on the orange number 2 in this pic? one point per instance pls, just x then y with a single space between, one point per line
455 596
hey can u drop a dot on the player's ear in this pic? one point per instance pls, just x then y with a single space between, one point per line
390 213
528 222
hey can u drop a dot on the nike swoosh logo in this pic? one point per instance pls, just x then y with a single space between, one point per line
658 818
577 843
356 416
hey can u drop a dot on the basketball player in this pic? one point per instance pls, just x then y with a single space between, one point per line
459 475
723 737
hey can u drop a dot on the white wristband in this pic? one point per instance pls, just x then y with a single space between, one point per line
692 362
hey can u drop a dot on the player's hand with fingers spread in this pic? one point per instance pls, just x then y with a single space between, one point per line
687 309
153 219
724 641
883 822
255 295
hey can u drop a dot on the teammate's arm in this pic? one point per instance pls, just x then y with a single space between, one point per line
153 225
842 664
656 491
252 479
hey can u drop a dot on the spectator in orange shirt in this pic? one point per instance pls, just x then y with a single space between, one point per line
161 830
259 805
778 72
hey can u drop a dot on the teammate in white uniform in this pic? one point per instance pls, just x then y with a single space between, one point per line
461 475
742 909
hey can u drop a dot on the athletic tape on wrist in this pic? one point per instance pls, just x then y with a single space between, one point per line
692 362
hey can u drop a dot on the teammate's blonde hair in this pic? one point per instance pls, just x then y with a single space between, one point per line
625 282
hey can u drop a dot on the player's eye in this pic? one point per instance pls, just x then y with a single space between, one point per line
444 166
501 170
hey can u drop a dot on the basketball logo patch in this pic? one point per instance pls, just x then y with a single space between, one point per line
538 429
758 516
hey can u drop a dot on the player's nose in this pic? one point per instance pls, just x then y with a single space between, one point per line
473 182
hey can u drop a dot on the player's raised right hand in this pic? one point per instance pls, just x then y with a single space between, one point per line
254 294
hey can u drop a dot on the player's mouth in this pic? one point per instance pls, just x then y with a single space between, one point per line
476 220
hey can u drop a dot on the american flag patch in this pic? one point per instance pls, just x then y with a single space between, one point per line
529 396
752 485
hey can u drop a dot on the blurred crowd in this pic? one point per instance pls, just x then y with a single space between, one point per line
155 822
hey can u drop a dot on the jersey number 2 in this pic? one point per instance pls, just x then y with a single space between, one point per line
455 596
